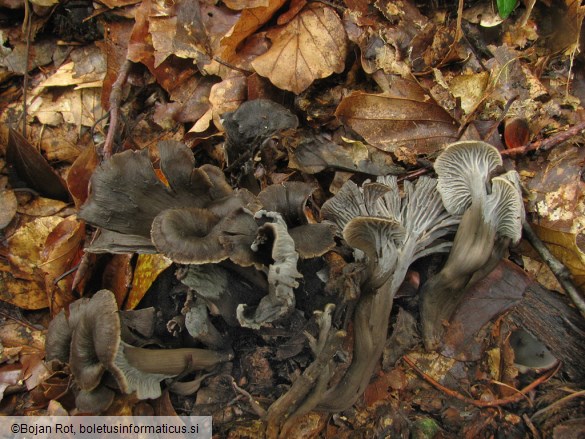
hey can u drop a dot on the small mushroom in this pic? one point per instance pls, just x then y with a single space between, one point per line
282 273
89 340
492 219
530 353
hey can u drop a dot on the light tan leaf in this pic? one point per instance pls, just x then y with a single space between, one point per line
311 46
26 243
389 121
564 247
9 204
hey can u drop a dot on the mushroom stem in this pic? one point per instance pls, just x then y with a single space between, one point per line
371 317
442 294
174 361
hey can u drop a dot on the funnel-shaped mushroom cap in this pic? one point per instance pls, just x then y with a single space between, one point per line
347 204
187 236
95 340
504 209
463 170
60 331
288 199
378 238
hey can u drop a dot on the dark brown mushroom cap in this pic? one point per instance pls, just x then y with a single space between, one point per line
313 240
95 401
187 236
95 340
126 194
288 199
60 331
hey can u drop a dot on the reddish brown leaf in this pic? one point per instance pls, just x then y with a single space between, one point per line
80 173
148 267
389 121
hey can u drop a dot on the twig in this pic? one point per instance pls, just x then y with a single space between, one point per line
546 144
26 27
258 409
558 403
20 322
478 403
115 100
559 270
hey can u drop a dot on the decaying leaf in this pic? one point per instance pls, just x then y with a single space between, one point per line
80 173
249 22
311 46
564 247
33 168
389 121
9 204
59 254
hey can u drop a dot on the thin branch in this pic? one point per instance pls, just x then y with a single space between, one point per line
548 143
559 270
478 403
115 101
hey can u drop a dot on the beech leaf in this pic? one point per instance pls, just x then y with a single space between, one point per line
389 121
311 46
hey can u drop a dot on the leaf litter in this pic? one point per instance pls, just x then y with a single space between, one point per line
354 90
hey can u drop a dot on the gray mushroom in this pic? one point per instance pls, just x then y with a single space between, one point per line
389 232
282 273
89 340
492 219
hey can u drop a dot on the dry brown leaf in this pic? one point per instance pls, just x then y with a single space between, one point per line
564 247
389 121
9 205
249 22
25 294
148 267
26 243
117 276
61 251
80 173
227 96
311 46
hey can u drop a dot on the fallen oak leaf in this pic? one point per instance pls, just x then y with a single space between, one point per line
311 46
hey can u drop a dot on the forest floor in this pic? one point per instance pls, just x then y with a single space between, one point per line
330 92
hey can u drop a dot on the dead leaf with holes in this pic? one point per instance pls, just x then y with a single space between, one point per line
311 46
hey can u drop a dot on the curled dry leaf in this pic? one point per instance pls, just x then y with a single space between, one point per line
311 46
388 121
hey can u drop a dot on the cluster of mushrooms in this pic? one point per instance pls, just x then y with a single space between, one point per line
240 254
